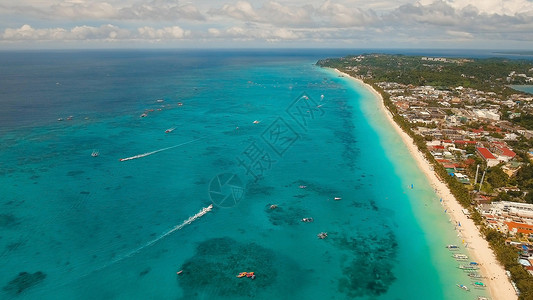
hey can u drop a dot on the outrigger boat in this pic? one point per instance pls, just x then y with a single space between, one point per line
460 256
463 267
464 287
479 284
475 275
452 247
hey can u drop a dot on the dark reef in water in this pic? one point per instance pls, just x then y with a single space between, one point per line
8 220
255 188
75 173
216 263
369 273
24 281
317 188
281 215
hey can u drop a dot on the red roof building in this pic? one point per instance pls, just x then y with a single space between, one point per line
504 151
461 142
487 156
514 227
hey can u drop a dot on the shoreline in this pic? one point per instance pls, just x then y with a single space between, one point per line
498 284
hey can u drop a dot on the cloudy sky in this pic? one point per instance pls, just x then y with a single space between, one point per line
494 24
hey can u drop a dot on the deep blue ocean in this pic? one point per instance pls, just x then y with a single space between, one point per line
265 136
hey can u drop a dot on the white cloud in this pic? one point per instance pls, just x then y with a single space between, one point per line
276 13
241 10
460 34
104 32
174 32
157 10
83 10
344 21
341 15
500 7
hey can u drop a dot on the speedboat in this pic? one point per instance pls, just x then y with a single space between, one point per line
95 153
170 130
322 235
307 220
256 122
337 198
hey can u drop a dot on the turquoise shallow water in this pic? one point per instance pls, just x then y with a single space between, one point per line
95 226
524 88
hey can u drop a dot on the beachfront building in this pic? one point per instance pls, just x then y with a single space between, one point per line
504 153
487 156
509 217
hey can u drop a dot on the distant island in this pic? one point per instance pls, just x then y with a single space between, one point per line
515 52
475 131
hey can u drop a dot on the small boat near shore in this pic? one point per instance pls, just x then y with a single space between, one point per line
464 287
460 256
452 247
479 284
468 267
475 275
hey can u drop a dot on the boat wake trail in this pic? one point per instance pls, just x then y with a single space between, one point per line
191 219
160 150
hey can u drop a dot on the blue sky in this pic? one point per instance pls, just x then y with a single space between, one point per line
475 24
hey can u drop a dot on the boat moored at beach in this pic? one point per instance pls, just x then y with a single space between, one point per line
475 275
460 256
452 247
479 284
464 287
468 267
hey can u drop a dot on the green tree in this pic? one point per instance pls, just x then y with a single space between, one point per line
496 177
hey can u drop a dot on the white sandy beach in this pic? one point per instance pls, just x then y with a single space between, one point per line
496 279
